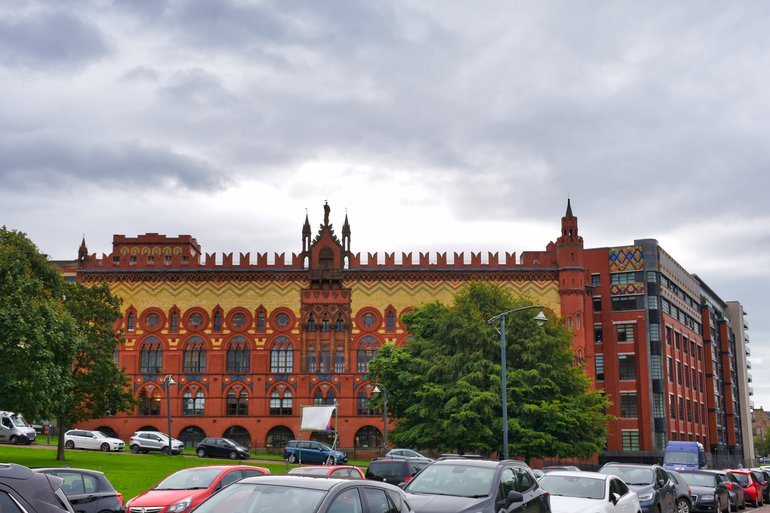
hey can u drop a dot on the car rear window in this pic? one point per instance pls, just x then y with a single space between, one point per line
386 469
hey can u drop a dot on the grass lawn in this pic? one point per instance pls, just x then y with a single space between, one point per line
130 474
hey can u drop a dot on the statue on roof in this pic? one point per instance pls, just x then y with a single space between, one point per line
327 209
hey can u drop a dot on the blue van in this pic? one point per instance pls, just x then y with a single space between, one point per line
684 456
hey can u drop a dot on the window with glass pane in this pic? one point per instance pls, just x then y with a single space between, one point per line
363 404
282 356
237 403
174 322
595 280
194 357
238 356
625 332
326 359
630 440
131 322
311 360
599 367
340 324
193 402
151 356
339 360
366 352
390 321
628 405
627 366
281 402
598 333
149 403
218 320
261 322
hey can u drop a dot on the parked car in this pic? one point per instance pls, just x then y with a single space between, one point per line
734 488
750 485
763 476
395 471
656 491
221 448
551 468
89 491
340 471
185 489
476 486
310 451
302 494
22 490
144 441
85 439
15 430
683 492
576 492
406 453
709 493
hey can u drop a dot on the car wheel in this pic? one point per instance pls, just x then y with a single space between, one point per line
683 506
292 458
105 447
201 453
165 450
233 455
14 440
329 461
135 449
69 444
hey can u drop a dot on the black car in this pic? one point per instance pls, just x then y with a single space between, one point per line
87 490
299 494
221 448
709 493
22 490
395 470
476 486
683 495
656 490
734 488
763 476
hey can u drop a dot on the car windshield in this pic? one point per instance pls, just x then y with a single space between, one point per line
19 421
571 486
189 479
455 479
700 479
742 478
680 458
633 476
258 498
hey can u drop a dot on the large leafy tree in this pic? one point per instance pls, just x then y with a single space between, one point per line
444 387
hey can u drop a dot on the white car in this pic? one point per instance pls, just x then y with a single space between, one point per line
588 492
85 439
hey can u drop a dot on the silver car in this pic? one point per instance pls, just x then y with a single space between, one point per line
144 441
85 439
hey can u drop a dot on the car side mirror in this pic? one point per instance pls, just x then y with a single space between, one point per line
513 496
614 498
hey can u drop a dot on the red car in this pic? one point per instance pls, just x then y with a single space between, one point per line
750 485
344 471
185 489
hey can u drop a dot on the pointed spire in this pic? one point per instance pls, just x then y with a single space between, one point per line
83 250
569 209
306 226
346 226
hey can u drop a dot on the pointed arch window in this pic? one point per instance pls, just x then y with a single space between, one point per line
367 351
238 356
151 356
339 326
311 323
218 320
321 398
174 321
194 357
339 360
363 404
261 321
326 359
282 356
149 402
237 403
131 322
390 321
311 360
281 402
193 403
325 324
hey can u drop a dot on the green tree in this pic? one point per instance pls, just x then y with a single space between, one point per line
445 385
36 331
97 386
762 443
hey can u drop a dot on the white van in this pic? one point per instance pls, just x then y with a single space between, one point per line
14 429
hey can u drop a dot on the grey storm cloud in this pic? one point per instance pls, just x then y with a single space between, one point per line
34 163
53 40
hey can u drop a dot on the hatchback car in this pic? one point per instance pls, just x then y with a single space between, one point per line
709 493
221 448
476 486
340 471
395 471
309 451
734 488
85 439
88 491
144 441
750 485
575 491
185 489
406 453
683 492
302 494
656 491
763 476
22 490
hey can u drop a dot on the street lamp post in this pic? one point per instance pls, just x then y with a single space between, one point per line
540 318
377 390
169 380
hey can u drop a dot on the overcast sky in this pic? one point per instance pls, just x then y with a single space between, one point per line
435 125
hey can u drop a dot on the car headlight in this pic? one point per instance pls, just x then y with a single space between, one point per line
644 497
180 506
707 497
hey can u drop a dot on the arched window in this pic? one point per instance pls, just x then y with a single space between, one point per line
311 323
218 320
151 357
367 350
325 397
238 435
282 356
579 321
390 321
569 322
281 402
278 438
237 403
325 323
194 357
149 403
368 437
192 436
311 360
131 322
363 404
174 321
340 324
339 360
238 356
326 359
193 402
261 321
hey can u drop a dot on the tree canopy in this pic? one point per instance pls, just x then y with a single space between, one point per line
444 387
